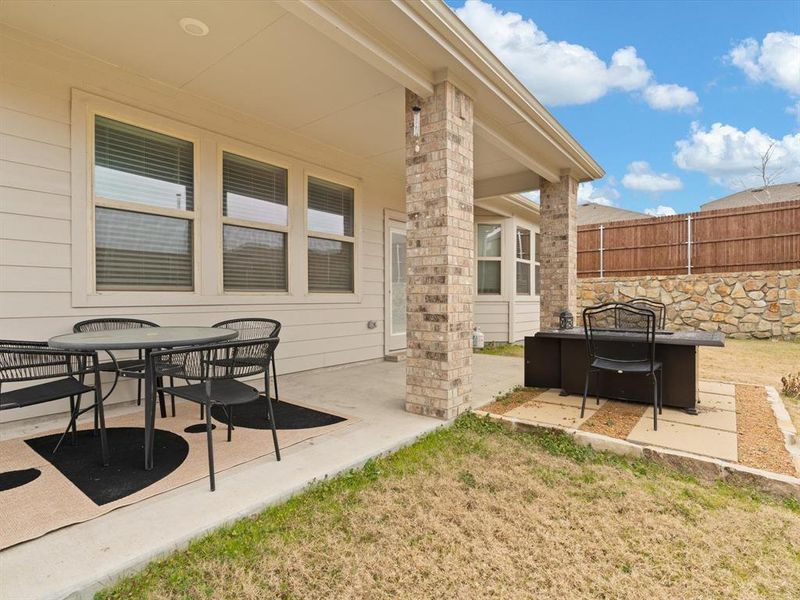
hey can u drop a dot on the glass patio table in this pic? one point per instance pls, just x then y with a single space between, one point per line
147 340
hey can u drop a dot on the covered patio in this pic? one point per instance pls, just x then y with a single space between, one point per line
85 557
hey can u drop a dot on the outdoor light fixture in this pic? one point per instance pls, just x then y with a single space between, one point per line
415 130
193 27
565 320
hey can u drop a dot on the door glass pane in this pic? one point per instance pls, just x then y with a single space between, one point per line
142 166
523 278
330 207
489 240
137 251
488 276
330 265
398 283
253 191
253 259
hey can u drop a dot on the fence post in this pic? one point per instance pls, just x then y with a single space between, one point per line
689 243
601 251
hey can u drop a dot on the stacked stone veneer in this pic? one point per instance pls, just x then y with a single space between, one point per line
439 203
762 304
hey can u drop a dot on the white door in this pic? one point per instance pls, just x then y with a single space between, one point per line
395 285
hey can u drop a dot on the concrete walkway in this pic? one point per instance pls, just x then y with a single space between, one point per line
78 560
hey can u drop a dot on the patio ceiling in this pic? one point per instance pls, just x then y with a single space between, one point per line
257 59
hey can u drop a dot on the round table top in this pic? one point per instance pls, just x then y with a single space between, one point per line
142 337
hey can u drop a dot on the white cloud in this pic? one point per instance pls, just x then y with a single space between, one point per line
642 178
730 157
794 110
597 192
557 72
660 211
670 96
775 61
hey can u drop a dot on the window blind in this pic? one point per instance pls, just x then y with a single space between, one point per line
139 251
489 276
136 165
330 207
253 190
253 259
523 243
523 278
330 265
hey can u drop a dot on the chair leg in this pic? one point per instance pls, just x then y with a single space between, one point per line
229 415
202 412
210 442
272 426
655 403
138 392
73 417
660 391
585 393
597 383
275 378
73 425
161 400
172 396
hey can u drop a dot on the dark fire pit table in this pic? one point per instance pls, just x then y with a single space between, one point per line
147 339
557 358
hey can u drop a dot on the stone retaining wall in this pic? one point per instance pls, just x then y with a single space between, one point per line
759 304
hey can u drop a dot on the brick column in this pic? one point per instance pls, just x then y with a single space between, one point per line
439 202
559 250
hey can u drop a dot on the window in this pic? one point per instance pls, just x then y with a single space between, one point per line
536 251
255 218
523 243
331 237
144 208
489 258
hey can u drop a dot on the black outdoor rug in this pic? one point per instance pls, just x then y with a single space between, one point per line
125 475
253 415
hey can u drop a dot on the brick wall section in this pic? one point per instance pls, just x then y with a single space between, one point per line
439 202
759 304
559 249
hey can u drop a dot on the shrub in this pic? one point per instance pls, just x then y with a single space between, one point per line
791 385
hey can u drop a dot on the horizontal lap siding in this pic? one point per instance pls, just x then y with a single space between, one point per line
35 228
526 318
492 319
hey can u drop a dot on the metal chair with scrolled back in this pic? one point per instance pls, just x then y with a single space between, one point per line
627 348
216 367
256 328
64 370
659 308
132 368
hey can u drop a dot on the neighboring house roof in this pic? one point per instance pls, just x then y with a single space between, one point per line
773 193
591 213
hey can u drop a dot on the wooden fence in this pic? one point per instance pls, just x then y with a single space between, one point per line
750 238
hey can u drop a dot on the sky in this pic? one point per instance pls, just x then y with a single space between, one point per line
677 101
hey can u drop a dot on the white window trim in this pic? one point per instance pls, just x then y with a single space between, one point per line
529 261
501 222
207 250
274 160
534 262
354 184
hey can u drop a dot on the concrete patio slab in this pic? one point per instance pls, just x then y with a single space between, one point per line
708 418
83 558
553 397
546 413
714 443
720 401
717 387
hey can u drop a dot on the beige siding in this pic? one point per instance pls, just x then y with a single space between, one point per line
35 195
492 319
526 318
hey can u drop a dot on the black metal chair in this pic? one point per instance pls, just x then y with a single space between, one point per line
216 368
22 361
256 328
132 368
629 349
659 308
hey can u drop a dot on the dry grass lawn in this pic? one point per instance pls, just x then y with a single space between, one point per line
474 511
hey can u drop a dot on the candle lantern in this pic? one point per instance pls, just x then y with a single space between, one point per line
565 320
